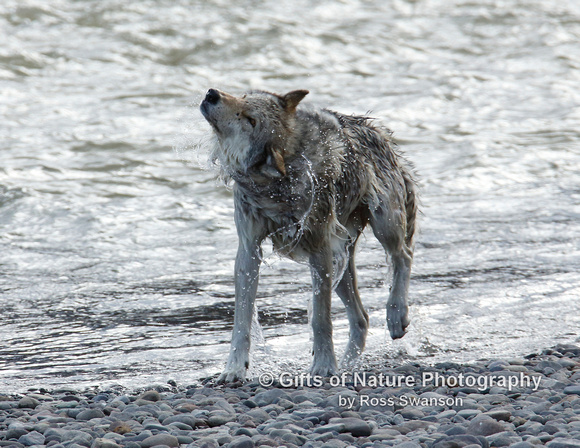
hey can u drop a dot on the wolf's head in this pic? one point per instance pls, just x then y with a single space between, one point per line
255 131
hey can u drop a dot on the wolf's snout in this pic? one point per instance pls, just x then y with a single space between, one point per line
212 96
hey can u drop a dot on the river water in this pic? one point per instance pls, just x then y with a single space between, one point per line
117 243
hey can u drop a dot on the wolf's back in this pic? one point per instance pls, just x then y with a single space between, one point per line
375 142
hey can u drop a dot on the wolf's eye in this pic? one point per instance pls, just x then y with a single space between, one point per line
252 121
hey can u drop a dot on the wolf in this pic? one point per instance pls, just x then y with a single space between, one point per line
310 180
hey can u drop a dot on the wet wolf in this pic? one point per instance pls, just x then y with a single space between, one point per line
310 180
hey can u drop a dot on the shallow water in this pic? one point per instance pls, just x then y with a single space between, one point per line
118 245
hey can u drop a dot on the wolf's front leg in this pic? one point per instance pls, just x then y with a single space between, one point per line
324 362
246 284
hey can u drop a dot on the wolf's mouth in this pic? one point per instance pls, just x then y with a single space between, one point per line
212 97
205 108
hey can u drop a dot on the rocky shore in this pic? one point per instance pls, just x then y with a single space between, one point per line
527 402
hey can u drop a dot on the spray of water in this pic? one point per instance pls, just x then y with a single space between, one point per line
195 143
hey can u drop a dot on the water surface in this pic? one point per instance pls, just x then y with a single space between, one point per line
117 244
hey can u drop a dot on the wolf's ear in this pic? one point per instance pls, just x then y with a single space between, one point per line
277 160
268 160
291 99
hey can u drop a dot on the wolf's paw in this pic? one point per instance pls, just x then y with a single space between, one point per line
397 321
230 375
352 353
324 368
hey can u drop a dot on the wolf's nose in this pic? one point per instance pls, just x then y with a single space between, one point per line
212 96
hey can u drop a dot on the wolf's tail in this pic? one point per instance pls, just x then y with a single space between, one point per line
410 208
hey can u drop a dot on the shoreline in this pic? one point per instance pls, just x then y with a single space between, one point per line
520 402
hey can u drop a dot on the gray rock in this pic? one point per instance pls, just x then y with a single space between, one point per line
119 427
279 432
53 434
77 437
157 428
150 395
41 397
551 429
28 402
505 438
41 427
567 363
207 442
412 413
183 419
458 441
114 437
564 443
160 439
104 443
496 366
339 427
220 419
294 439
384 434
7 405
246 432
89 414
572 389
32 438
184 440
409 445
500 414
456 430
16 430
334 443
258 415
521 445
127 445
356 426
224 439
483 425
468 413
446 415
262 440
241 442
270 396
555 366
225 406
398 419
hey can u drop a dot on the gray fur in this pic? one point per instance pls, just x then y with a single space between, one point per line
311 180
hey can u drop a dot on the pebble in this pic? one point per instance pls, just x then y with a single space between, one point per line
572 389
119 427
90 414
160 439
564 443
104 443
28 402
499 414
248 415
150 395
459 441
31 438
355 426
241 442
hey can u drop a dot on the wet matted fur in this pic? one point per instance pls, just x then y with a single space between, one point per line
311 180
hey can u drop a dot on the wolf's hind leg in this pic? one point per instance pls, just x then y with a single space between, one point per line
389 226
358 319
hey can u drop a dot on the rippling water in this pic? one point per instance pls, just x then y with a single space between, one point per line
117 245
